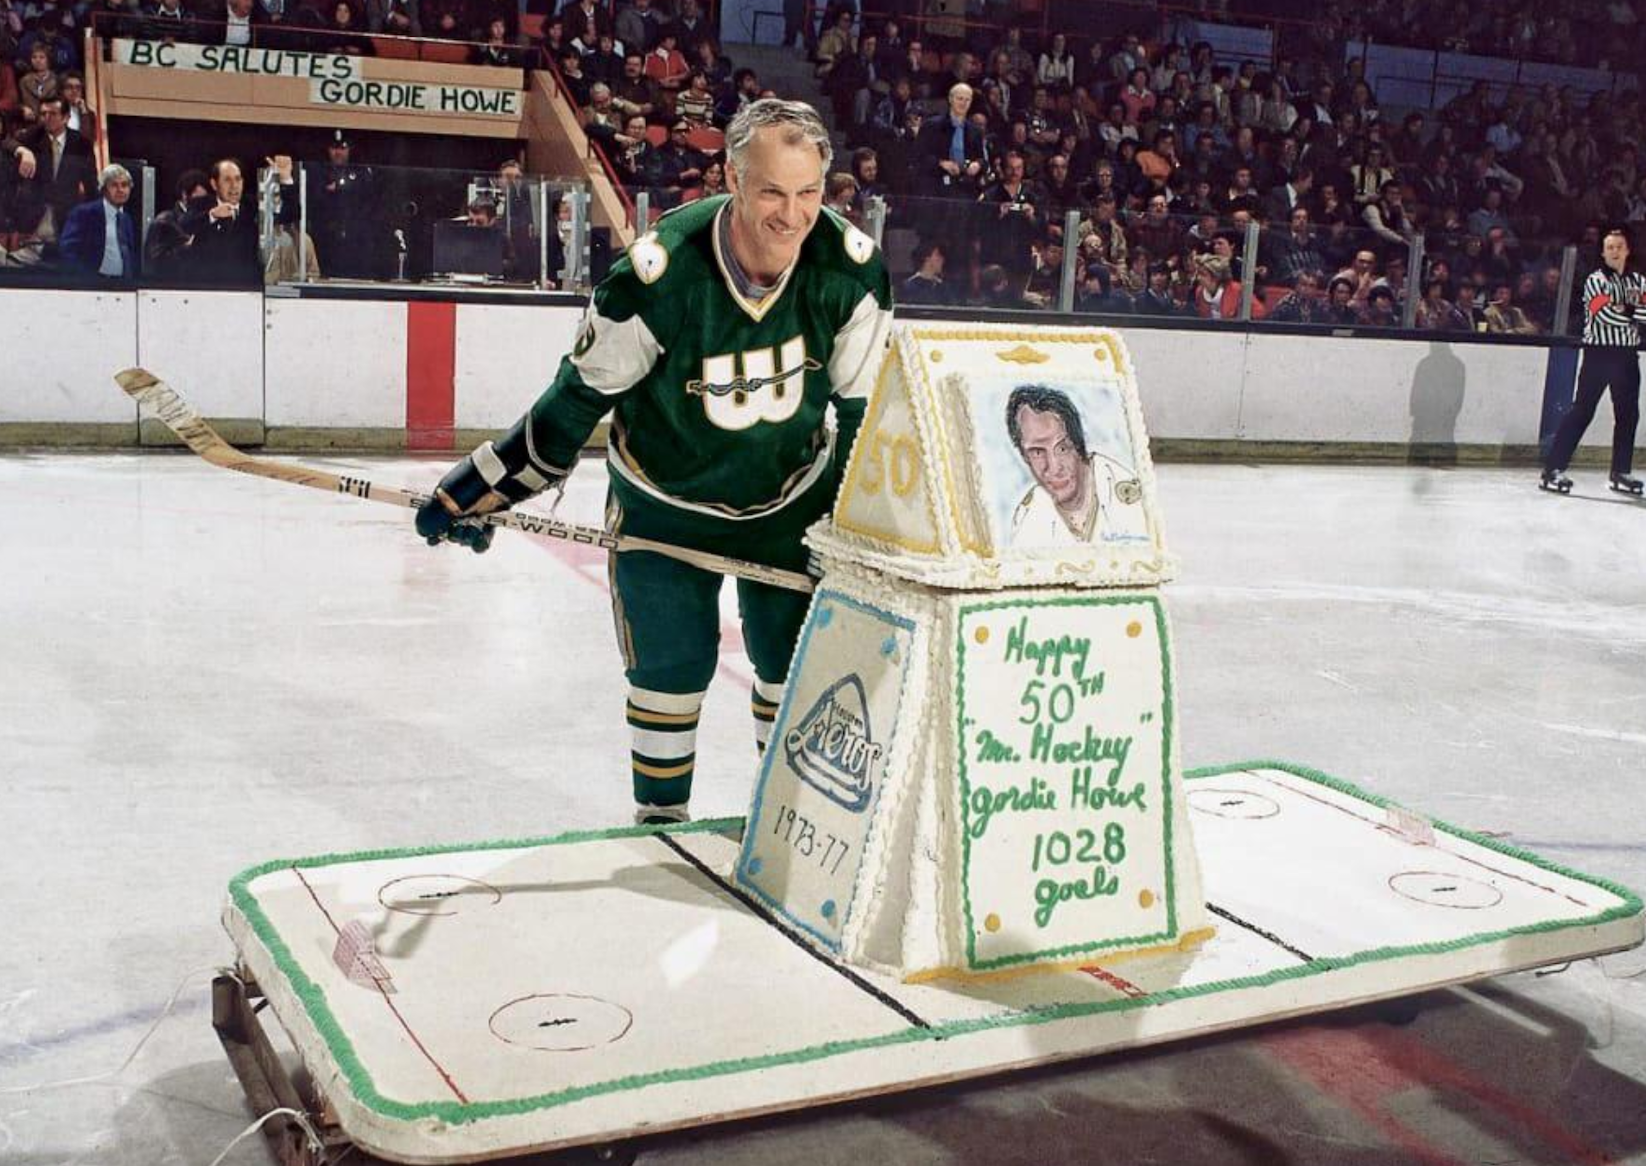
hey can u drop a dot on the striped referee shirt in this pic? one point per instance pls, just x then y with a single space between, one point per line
1605 323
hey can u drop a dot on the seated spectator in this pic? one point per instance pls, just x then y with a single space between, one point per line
866 172
695 105
1156 231
1095 292
631 152
403 18
1503 317
601 117
1386 216
606 63
691 30
37 85
496 50
81 119
637 92
1490 214
1380 309
666 65
999 290
165 249
573 80
675 165
1361 274
638 25
1303 304
714 182
344 30
1468 307
1367 179
1297 252
925 285
1340 309
241 21
1056 66
1435 313
167 21
100 237
1156 299
836 43
1217 293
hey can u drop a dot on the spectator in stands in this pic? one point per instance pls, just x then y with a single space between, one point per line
638 25
1380 309
241 21
851 84
37 85
922 80
1368 178
1297 252
840 196
866 171
691 29
745 88
1156 298
1289 195
587 37
166 247
55 169
1301 305
577 14
574 80
951 149
637 92
836 43
631 156
1439 186
402 18
695 104
1000 291
1503 317
1156 231
667 68
925 285
1386 217
1096 292
515 196
1340 310
1014 219
677 165
715 67
1468 307
1437 314
1362 274
1216 292
1055 69
714 181
224 226
1157 164
1489 215
344 32
118 19
1102 238
497 50
81 119
605 63
99 237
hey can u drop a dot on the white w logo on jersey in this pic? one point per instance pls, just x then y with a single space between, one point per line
740 389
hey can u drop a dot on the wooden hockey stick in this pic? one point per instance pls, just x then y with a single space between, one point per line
184 420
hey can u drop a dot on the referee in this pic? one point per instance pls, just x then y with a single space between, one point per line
1612 297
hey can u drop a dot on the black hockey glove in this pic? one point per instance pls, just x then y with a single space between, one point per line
466 489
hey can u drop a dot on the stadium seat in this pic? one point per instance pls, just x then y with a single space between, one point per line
657 135
445 52
395 48
707 139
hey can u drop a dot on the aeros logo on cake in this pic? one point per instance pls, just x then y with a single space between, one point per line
833 749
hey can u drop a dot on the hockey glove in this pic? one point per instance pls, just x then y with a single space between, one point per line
452 514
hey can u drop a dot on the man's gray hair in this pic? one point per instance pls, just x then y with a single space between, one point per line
113 173
799 122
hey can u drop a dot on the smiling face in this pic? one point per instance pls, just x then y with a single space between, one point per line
1052 457
776 201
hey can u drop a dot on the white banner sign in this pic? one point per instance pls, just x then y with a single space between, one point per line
333 80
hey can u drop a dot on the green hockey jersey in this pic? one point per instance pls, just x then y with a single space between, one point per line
718 401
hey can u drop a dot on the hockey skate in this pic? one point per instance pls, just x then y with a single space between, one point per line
1624 484
1556 481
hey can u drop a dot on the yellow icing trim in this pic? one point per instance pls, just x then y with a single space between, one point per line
1023 354
1188 942
878 403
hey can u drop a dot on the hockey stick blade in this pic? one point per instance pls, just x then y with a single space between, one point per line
175 412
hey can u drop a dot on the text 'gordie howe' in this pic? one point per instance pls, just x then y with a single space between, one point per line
1061 764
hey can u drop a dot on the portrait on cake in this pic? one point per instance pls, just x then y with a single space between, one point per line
1079 490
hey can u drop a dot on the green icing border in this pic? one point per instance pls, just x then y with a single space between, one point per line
457 1113
1168 714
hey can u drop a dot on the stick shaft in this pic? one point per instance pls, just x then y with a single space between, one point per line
184 420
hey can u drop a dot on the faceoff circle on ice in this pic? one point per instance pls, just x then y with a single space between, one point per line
556 1022
1232 803
436 894
1445 890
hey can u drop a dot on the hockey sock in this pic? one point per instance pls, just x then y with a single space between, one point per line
764 701
663 744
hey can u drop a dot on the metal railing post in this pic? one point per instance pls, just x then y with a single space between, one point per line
1248 271
642 212
1414 282
1563 302
577 249
545 224
876 216
303 224
1071 248
148 207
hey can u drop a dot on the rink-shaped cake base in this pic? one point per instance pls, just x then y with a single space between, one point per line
463 1003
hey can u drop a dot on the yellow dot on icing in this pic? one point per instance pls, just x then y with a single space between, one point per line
1134 629
937 356
982 635
991 923
1100 354
1145 898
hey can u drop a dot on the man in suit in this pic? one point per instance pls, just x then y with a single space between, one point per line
99 237
223 225
54 164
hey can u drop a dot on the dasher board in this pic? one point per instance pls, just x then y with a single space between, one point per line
531 995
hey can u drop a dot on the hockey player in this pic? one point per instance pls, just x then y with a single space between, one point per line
1612 309
716 342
